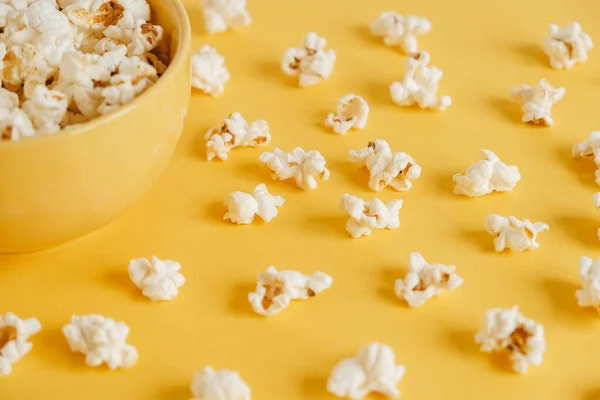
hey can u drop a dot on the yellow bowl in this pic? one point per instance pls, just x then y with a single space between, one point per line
59 187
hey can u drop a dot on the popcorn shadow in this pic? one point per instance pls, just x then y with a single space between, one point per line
463 341
358 177
481 239
593 394
328 225
121 281
582 230
51 345
531 54
174 393
582 168
386 290
239 303
445 186
261 174
562 297
378 94
272 70
313 386
507 109
215 211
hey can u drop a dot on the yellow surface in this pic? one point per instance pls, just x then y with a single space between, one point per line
483 48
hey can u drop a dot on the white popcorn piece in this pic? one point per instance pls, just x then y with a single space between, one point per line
597 202
306 168
242 207
312 63
420 85
14 122
220 15
590 147
209 384
235 132
46 109
486 176
275 289
513 234
102 340
537 102
589 294
209 72
397 30
352 112
425 280
373 214
158 279
386 168
372 370
567 46
507 330
14 335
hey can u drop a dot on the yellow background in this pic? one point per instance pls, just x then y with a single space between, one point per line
484 48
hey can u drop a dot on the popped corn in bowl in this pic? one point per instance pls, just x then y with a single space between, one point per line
86 132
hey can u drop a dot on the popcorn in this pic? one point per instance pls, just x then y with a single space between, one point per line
46 109
235 132
275 289
306 168
242 207
158 279
537 101
420 85
386 167
352 112
14 123
220 15
588 148
597 203
567 46
507 330
373 369
396 29
209 384
426 280
510 233
366 216
14 333
209 73
312 63
589 294
486 176
102 340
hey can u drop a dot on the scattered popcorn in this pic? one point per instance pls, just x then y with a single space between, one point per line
366 216
537 101
352 112
158 279
14 333
397 30
420 85
589 294
209 384
102 340
567 46
510 233
242 207
426 280
275 289
386 168
235 132
306 168
508 330
220 15
588 148
486 176
312 63
209 72
372 370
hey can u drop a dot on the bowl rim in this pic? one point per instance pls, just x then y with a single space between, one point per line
183 46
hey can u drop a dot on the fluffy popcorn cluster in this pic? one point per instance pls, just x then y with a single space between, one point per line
420 85
386 168
14 335
102 340
209 384
275 289
373 214
311 63
220 15
235 132
307 168
486 176
242 207
68 62
589 294
537 101
372 370
508 330
590 147
158 279
397 30
425 280
513 234
209 72
567 46
352 112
